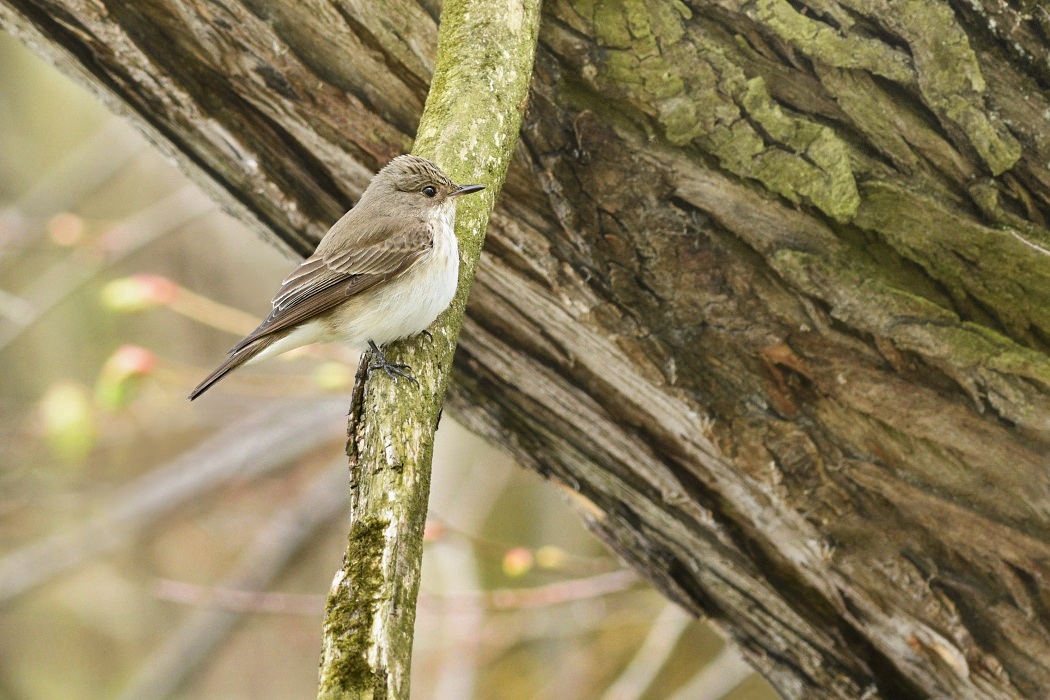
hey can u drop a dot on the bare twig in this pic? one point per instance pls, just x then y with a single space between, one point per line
560 593
131 234
237 600
718 678
274 545
496 600
96 159
251 446
569 563
666 630
456 568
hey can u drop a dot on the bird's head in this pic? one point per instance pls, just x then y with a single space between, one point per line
416 182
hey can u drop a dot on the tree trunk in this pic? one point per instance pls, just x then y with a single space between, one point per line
768 287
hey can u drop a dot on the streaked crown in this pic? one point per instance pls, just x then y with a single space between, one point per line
413 183
410 173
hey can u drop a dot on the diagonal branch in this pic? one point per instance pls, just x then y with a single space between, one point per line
253 446
470 128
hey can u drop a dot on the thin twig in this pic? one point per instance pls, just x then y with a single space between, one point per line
127 236
241 601
456 567
639 673
282 537
252 446
1034 246
569 563
94 161
718 678
536 597
496 600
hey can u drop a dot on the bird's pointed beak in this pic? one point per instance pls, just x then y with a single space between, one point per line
465 189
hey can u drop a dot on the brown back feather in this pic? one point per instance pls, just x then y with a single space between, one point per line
325 280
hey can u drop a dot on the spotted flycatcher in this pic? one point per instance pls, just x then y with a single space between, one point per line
383 272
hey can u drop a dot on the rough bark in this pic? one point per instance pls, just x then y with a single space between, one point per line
470 128
768 287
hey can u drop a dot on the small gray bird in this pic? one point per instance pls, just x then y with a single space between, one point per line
383 272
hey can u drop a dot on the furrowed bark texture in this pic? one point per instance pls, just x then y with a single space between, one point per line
768 287
470 128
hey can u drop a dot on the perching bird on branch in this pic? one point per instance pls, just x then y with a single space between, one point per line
383 272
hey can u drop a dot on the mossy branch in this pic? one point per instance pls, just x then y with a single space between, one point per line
470 128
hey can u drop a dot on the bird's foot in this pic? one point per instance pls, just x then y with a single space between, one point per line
428 334
392 369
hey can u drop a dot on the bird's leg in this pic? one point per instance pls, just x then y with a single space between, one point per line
392 369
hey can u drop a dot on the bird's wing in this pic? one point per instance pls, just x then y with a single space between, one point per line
328 277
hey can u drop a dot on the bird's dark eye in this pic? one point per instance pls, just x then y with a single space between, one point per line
429 191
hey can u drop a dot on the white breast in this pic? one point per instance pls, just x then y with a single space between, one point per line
391 310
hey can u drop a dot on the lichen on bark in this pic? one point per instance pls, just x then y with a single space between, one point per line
351 607
699 93
867 514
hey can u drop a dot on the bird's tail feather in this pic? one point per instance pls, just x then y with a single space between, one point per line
235 360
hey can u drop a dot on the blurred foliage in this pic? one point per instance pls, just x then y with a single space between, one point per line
67 421
126 573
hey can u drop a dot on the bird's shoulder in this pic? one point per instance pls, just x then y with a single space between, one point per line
363 227
355 254
374 244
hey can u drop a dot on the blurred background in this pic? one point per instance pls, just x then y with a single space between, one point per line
154 548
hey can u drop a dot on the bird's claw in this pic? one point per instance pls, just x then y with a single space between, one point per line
392 369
